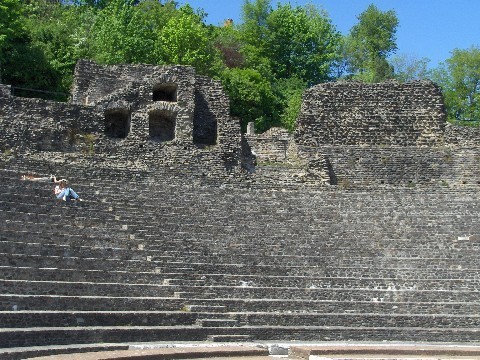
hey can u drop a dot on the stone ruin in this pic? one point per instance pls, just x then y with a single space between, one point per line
161 115
356 134
348 133
362 226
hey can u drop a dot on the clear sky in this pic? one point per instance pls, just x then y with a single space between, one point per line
427 28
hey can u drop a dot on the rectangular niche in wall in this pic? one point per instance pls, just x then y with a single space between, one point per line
161 125
165 92
117 123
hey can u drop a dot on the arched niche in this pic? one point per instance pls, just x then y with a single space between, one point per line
117 123
161 125
165 92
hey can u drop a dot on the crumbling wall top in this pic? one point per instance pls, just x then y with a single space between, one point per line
355 113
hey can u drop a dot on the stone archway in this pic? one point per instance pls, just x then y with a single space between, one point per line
165 92
117 123
161 125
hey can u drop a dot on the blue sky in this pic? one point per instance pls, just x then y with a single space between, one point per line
427 28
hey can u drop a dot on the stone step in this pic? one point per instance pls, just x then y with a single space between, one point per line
229 338
206 308
99 264
378 319
300 306
279 260
21 337
191 279
123 251
16 319
384 351
147 265
215 322
22 302
82 335
189 351
450 278
191 294
82 288
29 318
295 306
458 272
353 294
182 281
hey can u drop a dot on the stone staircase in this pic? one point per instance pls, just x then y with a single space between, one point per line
154 256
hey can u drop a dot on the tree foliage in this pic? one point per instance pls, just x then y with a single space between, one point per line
185 40
252 98
301 43
289 92
460 78
228 42
286 45
12 31
122 35
407 67
11 22
296 42
265 62
369 44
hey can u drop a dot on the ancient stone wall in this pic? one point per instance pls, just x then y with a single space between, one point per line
462 136
135 113
385 134
348 133
43 125
147 94
5 90
353 113
271 146
353 166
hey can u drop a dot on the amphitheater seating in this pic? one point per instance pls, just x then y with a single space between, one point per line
158 256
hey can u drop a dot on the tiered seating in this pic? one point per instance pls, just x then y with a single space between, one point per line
154 256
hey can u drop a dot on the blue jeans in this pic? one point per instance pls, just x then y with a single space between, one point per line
68 193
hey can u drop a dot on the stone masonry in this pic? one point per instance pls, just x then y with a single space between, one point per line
348 133
175 242
389 113
161 115
385 134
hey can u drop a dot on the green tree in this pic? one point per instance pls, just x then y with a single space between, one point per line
229 44
252 98
459 77
253 31
11 24
185 40
369 44
301 42
121 35
97 4
288 41
408 67
53 29
12 29
289 94
254 27
23 63
288 48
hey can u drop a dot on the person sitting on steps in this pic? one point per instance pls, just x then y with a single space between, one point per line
64 192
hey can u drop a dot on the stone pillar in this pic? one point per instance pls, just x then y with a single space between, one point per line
251 128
